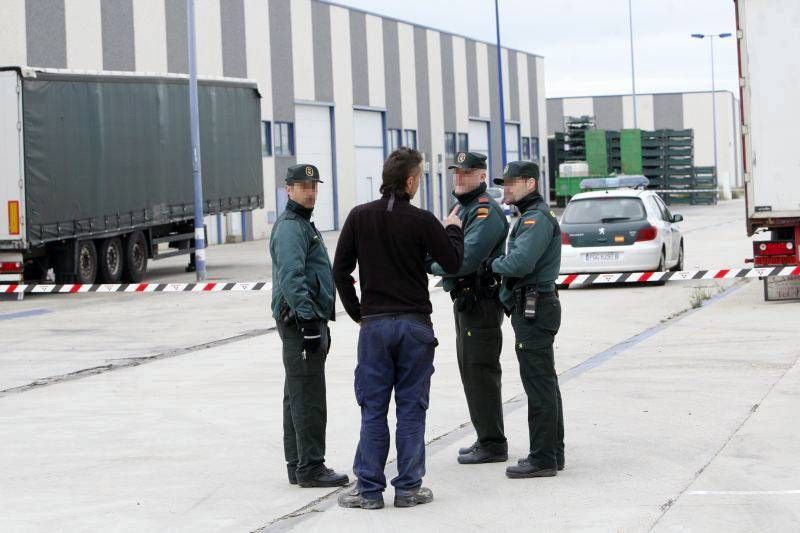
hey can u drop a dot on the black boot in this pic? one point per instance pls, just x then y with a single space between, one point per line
292 471
468 449
480 455
323 477
524 469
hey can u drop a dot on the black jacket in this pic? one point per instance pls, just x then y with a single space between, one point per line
390 239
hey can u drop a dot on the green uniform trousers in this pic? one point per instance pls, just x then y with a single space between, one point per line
534 347
304 403
479 342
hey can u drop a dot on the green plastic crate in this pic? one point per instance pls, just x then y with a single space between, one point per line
597 152
631 151
568 186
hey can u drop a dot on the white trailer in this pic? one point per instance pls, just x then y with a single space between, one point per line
769 69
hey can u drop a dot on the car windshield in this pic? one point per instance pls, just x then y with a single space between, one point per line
603 210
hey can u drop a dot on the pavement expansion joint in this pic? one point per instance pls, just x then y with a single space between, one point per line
666 506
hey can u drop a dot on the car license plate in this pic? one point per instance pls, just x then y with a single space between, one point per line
600 257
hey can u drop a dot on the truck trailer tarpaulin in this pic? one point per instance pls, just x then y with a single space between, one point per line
104 154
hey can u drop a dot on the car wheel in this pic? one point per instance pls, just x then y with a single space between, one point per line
680 264
111 260
662 266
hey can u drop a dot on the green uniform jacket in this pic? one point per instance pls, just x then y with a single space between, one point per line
301 268
485 230
534 250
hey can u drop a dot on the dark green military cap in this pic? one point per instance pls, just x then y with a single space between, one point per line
519 169
302 172
468 161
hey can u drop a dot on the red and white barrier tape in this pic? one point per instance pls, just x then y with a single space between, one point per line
562 281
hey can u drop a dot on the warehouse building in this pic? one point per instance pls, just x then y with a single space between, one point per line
340 87
677 111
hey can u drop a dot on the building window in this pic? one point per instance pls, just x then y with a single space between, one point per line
266 138
535 154
395 139
411 139
450 145
284 138
463 142
526 148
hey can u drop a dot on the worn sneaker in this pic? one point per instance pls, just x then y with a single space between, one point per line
324 477
524 469
416 497
354 500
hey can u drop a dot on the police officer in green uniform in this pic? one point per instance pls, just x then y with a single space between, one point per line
303 299
477 310
528 292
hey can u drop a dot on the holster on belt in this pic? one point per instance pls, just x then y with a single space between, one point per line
464 294
285 314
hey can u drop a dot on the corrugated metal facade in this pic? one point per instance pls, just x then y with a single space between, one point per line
667 111
299 51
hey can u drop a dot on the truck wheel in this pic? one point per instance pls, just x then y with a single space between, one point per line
111 258
135 265
86 273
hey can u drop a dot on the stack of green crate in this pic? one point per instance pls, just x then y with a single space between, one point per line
630 142
614 152
705 179
597 152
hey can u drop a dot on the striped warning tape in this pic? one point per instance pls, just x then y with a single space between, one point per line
682 275
562 281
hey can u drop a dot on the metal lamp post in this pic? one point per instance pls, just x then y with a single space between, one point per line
500 86
713 90
194 122
633 68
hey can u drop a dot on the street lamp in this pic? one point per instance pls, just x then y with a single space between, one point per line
633 71
713 91
194 126
500 86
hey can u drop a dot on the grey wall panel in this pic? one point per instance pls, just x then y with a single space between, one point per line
424 143
46 37
118 47
494 109
177 52
323 62
472 79
448 83
391 60
512 107
280 41
234 47
608 112
358 55
533 101
555 115
668 111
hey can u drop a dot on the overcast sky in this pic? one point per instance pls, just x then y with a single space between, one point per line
586 42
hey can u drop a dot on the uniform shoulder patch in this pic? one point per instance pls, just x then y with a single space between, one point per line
482 212
483 200
529 222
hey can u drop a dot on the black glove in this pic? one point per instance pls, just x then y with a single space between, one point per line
429 264
312 336
486 277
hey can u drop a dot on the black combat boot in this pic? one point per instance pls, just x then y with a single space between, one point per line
323 477
524 469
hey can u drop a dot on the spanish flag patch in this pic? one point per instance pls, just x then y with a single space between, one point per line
529 222
483 200
483 212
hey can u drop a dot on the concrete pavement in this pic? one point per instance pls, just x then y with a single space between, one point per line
659 408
